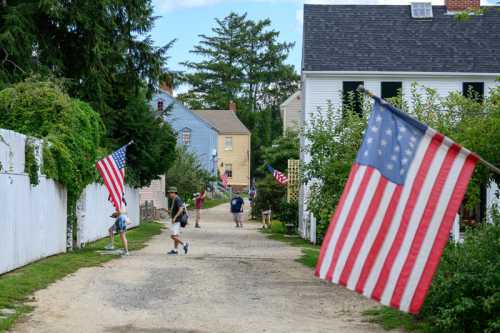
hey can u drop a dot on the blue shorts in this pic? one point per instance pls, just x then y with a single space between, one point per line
120 224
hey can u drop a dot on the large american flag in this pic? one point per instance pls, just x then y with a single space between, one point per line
279 176
112 170
393 219
224 179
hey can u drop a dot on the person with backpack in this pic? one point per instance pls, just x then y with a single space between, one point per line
179 220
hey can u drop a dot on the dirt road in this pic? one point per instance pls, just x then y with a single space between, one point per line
233 280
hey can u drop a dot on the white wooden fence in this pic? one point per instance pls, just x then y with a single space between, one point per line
33 219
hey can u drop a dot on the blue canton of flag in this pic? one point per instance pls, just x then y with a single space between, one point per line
390 142
120 157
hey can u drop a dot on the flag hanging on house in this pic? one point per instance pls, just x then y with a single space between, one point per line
224 179
112 170
393 219
280 177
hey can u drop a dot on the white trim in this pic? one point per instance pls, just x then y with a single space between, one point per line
290 99
394 74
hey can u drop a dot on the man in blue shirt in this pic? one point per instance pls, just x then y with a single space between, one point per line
237 204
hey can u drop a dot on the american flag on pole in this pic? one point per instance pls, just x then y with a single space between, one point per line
224 179
393 219
280 177
112 170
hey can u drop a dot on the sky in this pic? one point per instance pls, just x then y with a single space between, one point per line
184 20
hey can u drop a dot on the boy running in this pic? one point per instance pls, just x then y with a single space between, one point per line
177 209
119 226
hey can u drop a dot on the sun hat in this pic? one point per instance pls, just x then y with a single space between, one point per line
172 189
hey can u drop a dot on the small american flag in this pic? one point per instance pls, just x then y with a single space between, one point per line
224 179
393 219
112 171
280 177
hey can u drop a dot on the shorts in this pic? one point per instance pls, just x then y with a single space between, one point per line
238 217
175 229
119 226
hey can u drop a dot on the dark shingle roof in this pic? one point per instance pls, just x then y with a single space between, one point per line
224 121
386 38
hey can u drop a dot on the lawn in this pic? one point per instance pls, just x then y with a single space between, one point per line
211 203
17 287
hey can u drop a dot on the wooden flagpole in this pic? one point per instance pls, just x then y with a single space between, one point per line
487 164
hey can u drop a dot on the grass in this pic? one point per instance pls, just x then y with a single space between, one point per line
387 318
17 287
211 203
310 252
390 319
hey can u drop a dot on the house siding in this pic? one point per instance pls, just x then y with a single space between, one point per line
320 89
239 157
291 114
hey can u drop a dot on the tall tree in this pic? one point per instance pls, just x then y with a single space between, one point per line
103 52
243 61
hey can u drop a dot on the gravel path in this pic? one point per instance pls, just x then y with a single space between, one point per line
232 281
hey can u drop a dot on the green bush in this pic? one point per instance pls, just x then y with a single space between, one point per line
270 195
289 213
465 292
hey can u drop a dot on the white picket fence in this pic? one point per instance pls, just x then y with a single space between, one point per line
33 219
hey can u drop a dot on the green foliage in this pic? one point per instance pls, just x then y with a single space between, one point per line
270 195
71 128
281 150
17 286
30 165
243 61
187 174
465 292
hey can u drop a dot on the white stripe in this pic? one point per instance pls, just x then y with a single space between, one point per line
370 235
356 224
391 233
327 260
105 175
120 179
432 231
414 221
112 179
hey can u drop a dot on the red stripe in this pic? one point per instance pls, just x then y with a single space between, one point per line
117 174
379 240
108 173
363 230
403 224
334 219
347 226
103 174
443 234
424 224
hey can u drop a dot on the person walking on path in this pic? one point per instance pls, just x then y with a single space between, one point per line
120 226
177 208
198 203
237 204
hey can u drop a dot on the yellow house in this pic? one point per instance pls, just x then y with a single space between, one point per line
233 145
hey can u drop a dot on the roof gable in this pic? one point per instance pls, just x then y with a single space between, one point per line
224 121
387 38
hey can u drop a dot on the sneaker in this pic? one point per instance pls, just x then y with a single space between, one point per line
197 226
173 252
186 247
109 247
125 253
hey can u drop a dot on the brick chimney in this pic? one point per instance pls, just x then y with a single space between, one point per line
166 87
232 106
461 5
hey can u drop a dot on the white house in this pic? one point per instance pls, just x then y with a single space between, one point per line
291 112
387 48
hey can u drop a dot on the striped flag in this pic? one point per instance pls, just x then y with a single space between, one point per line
393 219
224 180
280 177
112 171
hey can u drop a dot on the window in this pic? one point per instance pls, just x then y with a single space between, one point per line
159 105
473 90
228 143
421 9
229 170
186 136
351 96
391 89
